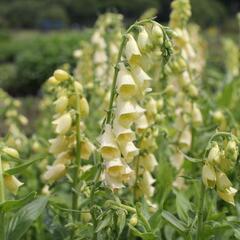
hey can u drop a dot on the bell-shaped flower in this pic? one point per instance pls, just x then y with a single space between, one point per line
58 145
122 134
12 183
129 151
126 86
125 112
228 195
109 148
151 106
156 32
127 173
143 40
184 79
114 167
209 176
63 123
177 159
54 173
214 154
196 116
141 123
222 181
61 104
99 57
148 161
63 158
146 184
87 149
112 182
142 78
132 51
185 140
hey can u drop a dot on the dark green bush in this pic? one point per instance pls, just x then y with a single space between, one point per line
36 59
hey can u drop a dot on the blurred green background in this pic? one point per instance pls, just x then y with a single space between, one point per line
38 36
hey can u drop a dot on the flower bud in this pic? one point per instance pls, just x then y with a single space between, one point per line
61 104
78 87
133 220
61 75
11 152
129 151
193 91
208 176
232 151
84 107
196 116
157 32
87 149
52 80
185 140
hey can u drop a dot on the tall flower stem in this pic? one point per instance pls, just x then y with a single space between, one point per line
2 199
78 158
200 212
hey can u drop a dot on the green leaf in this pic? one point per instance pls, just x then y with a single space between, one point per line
104 223
176 223
225 99
24 218
121 220
16 204
20 168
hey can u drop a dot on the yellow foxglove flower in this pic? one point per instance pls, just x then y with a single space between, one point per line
222 181
146 184
114 167
232 150
63 158
113 183
109 148
141 123
148 161
214 154
129 151
228 195
99 57
78 86
122 134
126 87
58 144
196 116
126 112
54 173
84 107
87 149
12 184
142 79
11 152
177 159
209 176
143 40
63 123
61 75
152 106
185 140
61 104
131 50
127 174
184 79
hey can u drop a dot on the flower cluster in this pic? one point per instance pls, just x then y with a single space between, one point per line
219 162
13 120
132 83
187 112
63 146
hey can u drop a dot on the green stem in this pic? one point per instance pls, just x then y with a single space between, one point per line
2 199
78 159
200 212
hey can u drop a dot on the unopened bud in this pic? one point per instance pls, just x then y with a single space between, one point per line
11 152
61 75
